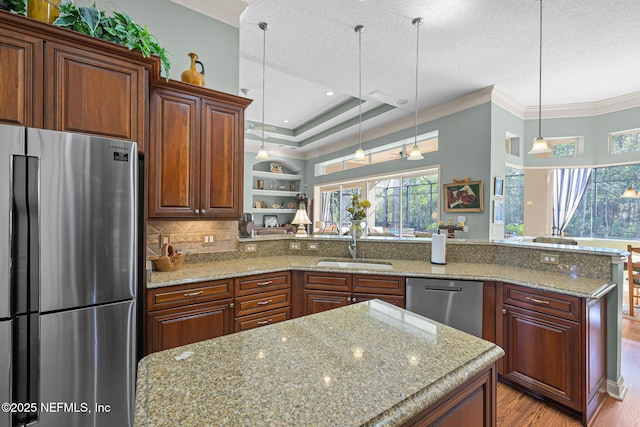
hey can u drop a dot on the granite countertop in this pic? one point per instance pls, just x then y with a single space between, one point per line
562 282
364 364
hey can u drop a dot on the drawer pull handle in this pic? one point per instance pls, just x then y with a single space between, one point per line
193 294
268 282
539 301
264 322
265 302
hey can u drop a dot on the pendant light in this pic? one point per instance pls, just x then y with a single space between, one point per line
415 153
629 193
360 156
263 154
540 144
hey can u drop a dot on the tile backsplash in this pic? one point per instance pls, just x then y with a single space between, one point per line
189 236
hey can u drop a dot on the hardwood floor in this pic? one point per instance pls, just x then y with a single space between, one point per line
518 409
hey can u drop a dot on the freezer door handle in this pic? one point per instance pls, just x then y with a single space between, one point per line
442 289
26 367
25 247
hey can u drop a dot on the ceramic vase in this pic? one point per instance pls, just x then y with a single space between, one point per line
192 75
43 10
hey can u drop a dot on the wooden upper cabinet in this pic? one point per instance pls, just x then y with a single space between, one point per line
88 92
54 78
222 160
196 154
20 79
173 154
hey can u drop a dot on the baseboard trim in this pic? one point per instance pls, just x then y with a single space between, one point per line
616 389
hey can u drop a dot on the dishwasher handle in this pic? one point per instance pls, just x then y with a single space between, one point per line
442 289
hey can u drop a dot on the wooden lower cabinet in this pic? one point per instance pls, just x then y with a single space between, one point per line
555 347
184 314
325 291
473 404
262 299
185 325
542 355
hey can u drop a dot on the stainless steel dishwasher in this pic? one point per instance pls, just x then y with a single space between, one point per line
456 303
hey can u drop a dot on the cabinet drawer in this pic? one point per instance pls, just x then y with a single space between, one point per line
387 285
262 283
175 296
264 301
262 319
391 299
327 281
565 306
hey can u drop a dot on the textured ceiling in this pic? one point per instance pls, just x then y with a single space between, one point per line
591 52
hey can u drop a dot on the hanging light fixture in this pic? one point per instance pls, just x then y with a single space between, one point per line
629 193
540 144
415 153
263 154
360 156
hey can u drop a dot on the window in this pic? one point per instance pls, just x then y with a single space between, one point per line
514 201
427 142
402 204
602 213
512 144
627 141
562 147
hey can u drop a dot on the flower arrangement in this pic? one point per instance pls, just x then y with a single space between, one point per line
358 209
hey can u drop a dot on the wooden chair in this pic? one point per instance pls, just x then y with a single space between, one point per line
633 270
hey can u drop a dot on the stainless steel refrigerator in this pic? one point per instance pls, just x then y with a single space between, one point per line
68 275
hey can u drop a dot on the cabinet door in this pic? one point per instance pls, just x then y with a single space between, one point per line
317 301
173 155
221 161
20 79
185 325
543 354
94 93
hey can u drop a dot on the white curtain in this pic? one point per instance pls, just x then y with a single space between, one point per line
568 188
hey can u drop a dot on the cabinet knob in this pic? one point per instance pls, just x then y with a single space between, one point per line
348 299
202 211
354 299
231 305
504 311
197 211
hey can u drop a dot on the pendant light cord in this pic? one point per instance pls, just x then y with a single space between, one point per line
264 26
540 80
359 30
417 22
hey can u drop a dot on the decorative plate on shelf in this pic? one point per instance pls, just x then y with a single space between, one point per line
275 167
291 205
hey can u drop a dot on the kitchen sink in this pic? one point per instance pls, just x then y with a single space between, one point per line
364 265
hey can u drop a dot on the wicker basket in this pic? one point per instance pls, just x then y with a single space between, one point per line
169 260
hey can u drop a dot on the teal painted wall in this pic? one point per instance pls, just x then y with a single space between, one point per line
464 150
595 131
180 31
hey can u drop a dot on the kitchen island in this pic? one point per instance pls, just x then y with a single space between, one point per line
365 364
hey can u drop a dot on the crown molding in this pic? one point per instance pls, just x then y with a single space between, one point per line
586 109
227 11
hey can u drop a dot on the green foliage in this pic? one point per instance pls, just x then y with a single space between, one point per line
514 229
17 6
118 28
358 209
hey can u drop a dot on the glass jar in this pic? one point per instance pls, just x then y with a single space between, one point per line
43 10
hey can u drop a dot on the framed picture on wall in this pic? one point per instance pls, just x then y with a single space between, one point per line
498 186
498 211
463 197
271 220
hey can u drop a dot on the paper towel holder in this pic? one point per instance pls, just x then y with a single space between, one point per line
437 262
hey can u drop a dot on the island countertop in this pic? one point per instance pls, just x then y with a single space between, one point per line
562 281
365 364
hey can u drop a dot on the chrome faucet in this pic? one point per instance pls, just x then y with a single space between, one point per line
352 245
